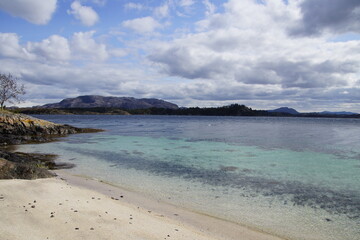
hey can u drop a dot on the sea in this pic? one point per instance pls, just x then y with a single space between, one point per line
297 178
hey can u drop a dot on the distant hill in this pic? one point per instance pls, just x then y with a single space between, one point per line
101 105
285 110
94 101
337 113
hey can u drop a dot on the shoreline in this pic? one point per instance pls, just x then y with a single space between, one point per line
93 200
216 227
54 209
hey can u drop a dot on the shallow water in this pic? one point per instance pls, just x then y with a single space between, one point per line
293 177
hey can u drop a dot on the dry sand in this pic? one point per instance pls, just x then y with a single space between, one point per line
79 208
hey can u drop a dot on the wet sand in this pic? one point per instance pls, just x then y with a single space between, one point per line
71 207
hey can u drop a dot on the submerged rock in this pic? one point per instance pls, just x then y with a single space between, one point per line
25 170
228 168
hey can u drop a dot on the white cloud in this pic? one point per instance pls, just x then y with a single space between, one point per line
100 2
118 52
135 6
52 81
210 7
162 11
186 3
185 8
57 49
85 47
54 48
85 14
10 47
242 53
34 11
246 53
142 25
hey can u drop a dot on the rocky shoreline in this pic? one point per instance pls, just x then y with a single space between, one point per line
21 129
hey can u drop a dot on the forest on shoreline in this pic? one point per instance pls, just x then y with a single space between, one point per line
230 110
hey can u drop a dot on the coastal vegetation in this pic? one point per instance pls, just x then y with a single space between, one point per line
230 110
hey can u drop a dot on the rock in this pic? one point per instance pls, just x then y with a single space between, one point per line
20 128
21 169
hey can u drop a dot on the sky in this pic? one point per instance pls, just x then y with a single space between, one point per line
265 54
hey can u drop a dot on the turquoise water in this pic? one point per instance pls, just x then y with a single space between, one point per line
293 177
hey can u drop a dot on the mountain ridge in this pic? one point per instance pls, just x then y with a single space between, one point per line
285 110
295 112
338 113
94 101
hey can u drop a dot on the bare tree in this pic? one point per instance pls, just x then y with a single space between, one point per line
10 90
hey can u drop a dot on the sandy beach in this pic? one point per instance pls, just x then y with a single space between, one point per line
71 207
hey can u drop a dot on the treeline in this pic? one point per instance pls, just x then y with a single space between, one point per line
230 110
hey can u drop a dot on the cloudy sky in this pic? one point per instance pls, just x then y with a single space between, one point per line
265 54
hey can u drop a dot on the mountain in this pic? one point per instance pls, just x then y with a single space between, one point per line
94 101
338 113
285 110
